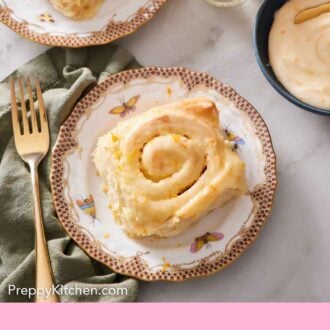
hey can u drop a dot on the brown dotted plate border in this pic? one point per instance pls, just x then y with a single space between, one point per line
136 266
112 31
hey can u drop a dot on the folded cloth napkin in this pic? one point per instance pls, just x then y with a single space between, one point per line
65 75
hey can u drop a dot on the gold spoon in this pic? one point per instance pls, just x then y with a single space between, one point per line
310 13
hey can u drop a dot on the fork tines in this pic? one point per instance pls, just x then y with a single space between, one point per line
38 119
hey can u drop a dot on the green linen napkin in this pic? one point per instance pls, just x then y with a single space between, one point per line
66 75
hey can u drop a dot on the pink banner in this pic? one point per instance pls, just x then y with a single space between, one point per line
166 316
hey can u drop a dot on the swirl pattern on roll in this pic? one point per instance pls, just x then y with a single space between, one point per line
77 9
167 167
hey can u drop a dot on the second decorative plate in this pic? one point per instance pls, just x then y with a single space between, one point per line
38 21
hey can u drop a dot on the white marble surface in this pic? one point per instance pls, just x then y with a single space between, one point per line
291 260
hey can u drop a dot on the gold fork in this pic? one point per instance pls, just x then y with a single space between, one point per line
32 144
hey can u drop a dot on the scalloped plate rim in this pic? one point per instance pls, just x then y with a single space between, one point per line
68 41
168 72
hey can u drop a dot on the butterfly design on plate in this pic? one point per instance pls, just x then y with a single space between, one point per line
234 139
125 107
205 240
87 205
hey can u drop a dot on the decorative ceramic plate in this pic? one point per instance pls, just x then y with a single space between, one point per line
218 238
38 21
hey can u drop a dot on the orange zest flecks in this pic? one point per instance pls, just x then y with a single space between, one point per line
114 138
117 154
169 91
132 156
166 265
176 138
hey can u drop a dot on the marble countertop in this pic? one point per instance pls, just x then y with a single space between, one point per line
290 261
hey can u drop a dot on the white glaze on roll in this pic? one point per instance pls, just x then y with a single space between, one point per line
77 9
167 167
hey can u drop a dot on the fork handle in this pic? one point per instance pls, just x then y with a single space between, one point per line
44 274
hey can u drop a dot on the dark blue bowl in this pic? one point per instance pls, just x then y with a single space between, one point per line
263 24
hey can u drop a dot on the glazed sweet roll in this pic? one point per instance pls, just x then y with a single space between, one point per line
77 9
167 167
